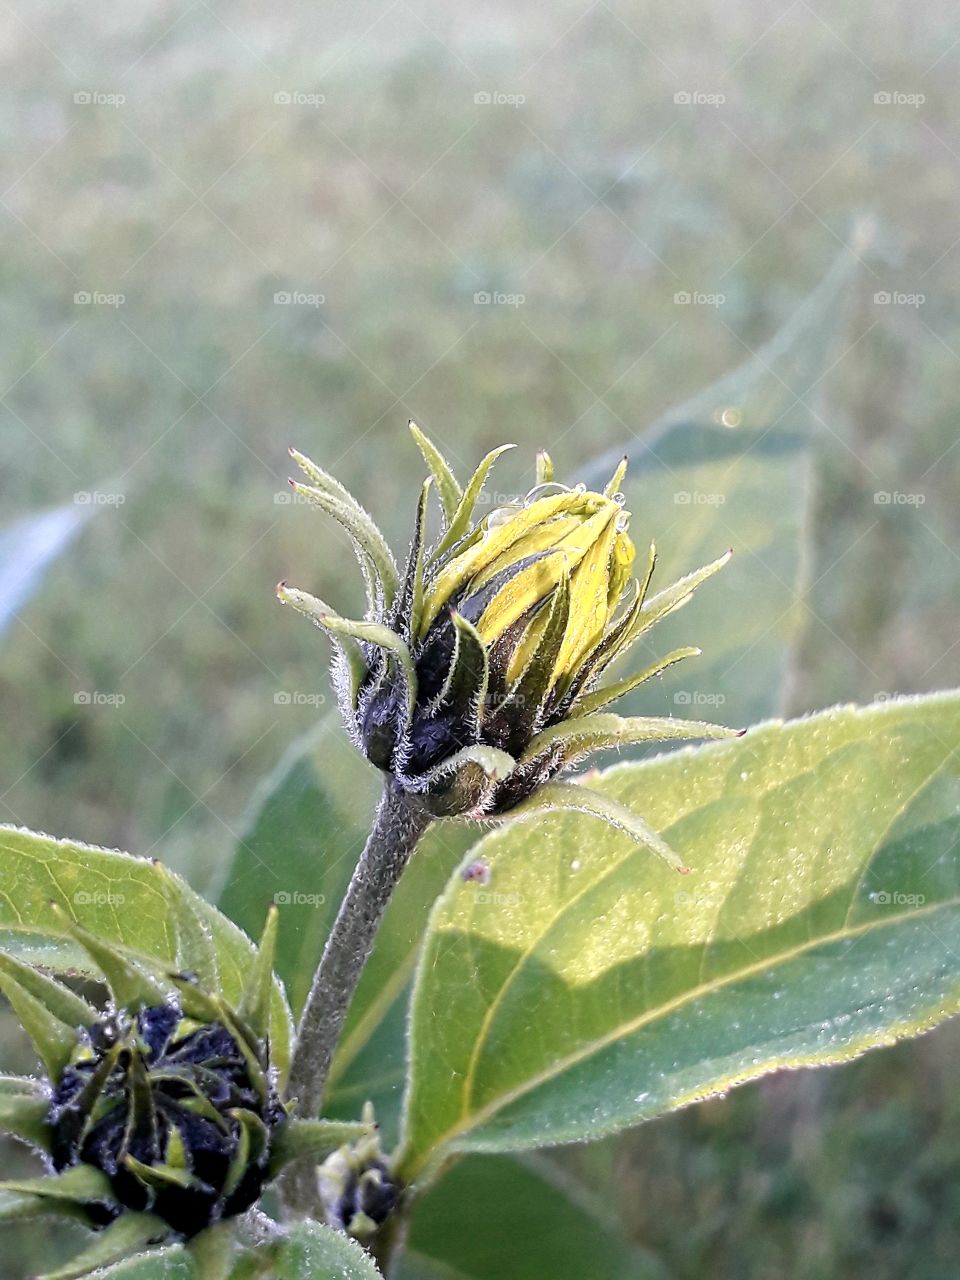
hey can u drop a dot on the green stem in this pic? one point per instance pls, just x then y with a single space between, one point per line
397 828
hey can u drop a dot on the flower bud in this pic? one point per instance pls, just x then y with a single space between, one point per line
162 1112
357 1187
175 1113
474 678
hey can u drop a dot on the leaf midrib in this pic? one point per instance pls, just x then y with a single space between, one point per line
631 1026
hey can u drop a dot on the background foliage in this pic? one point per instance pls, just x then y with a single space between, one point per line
599 199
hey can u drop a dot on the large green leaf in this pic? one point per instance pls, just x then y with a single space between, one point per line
304 836
132 902
587 988
498 1216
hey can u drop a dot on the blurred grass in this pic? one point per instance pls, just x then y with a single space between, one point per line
598 199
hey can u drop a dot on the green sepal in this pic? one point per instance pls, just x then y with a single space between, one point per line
125 1235
79 1185
163 1176
460 783
370 632
331 496
24 1115
597 732
544 467
409 607
60 1000
553 797
315 1138
448 487
674 596
592 702
465 688
24 1208
141 1111
251 1145
461 519
616 480
131 987
53 1040
81 1108
258 993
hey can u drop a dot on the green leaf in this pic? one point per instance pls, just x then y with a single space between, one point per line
498 1216
162 1264
133 903
298 848
585 989
313 1252
127 1234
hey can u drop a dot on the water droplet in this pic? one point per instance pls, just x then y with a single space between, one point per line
545 490
500 515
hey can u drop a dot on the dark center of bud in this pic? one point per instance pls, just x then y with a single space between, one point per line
174 1112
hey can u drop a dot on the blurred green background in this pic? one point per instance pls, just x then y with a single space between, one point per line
224 230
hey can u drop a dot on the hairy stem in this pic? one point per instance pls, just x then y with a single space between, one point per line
397 828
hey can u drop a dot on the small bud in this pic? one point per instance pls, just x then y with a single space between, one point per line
356 1185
